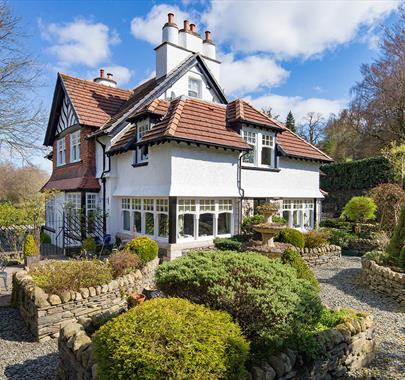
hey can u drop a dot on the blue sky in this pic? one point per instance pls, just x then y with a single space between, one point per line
303 55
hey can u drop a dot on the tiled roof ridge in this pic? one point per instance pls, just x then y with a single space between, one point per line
256 109
91 82
175 116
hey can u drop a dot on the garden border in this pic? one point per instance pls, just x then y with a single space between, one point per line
383 280
45 314
322 255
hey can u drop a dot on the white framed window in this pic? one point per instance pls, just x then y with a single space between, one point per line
299 213
73 201
194 87
126 214
61 152
75 146
142 153
262 143
204 218
50 212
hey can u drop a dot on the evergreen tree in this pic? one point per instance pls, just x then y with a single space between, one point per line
397 241
290 122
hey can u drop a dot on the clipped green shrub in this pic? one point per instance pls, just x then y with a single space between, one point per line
360 209
170 338
227 244
338 224
89 245
146 248
264 296
339 237
30 247
123 262
294 259
45 238
56 276
249 221
291 236
316 238
397 240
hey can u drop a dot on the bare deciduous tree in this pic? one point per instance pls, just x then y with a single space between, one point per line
312 127
21 117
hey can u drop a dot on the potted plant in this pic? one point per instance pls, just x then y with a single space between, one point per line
30 251
135 299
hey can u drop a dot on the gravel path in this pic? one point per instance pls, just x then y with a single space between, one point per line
341 287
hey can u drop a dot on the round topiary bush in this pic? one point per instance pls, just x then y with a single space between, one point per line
146 248
170 338
295 260
30 247
292 236
360 209
264 296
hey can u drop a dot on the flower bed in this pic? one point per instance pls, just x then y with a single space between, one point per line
383 279
346 347
322 255
45 313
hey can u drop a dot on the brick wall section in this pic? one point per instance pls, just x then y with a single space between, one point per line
347 347
45 314
384 280
322 255
85 169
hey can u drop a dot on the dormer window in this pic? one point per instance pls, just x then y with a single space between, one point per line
60 152
141 153
75 146
262 143
194 87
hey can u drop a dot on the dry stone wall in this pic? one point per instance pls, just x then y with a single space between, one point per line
322 255
347 347
45 314
384 280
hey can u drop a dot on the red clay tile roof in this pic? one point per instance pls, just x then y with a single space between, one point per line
94 103
83 183
196 121
241 111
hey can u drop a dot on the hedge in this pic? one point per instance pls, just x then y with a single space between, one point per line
170 339
360 174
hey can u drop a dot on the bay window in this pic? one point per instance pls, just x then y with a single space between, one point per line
203 218
126 214
262 144
299 213
75 146
60 152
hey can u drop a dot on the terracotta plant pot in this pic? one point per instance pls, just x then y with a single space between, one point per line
136 299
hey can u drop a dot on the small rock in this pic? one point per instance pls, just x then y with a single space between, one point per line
54 300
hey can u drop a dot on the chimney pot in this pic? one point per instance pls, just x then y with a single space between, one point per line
170 18
109 76
186 25
207 35
193 28
101 73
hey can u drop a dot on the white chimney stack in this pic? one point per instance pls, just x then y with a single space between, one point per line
105 81
170 31
209 49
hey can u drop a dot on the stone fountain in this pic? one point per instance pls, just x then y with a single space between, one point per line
268 229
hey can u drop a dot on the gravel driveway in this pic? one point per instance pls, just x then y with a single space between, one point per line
341 287
22 358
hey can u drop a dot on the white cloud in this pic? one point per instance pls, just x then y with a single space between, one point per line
298 105
250 74
121 74
79 42
292 28
149 28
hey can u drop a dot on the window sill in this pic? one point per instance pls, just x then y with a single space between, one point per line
263 169
68 164
139 164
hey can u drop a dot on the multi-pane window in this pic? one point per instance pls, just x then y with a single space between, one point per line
141 153
91 211
200 218
299 213
61 152
126 214
194 87
262 143
75 146
250 138
50 212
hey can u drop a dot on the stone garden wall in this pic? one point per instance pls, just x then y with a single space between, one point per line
347 347
322 255
384 280
45 314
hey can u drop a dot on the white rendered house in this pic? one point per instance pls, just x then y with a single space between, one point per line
174 159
